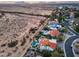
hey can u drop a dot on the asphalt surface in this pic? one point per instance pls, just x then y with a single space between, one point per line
68 48
69 41
67 25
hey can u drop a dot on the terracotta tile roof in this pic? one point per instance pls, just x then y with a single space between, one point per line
54 32
44 42
52 45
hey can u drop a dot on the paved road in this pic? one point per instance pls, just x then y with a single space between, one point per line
67 25
68 48
68 43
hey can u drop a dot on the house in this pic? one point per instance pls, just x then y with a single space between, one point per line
54 21
52 45
54 26
46 48
54 33
47 44
45 32
30 53
35 43
71 15
44 42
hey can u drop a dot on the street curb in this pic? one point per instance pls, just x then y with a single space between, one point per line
64 44
73 48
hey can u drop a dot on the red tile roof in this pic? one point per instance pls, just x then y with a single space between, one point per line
53 45
54 32
44 42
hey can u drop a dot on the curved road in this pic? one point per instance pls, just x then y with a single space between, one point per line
68 48
68 43
67 25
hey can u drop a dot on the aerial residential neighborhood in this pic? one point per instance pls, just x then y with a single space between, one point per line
39 29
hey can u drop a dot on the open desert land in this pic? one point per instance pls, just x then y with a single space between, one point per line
31 9
15 29
12 31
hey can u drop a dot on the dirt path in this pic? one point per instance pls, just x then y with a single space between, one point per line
40 28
